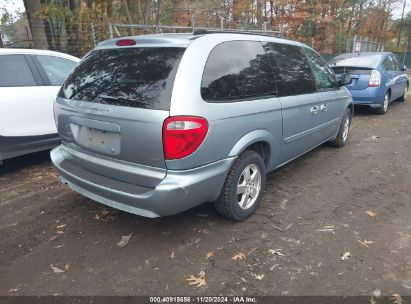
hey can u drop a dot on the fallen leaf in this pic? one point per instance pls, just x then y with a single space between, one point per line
202 274
238 256
105 212
276 252
283 204
273 267
61 226
371 214
396 299
209 255
346 256
372 301
60 232
97 216
66 267
124 240
13 290
197 282
258 276
377 293
172 254
365 242
55 269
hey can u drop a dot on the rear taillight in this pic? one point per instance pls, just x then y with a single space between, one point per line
182 135
375 79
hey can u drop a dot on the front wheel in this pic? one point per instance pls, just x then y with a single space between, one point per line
344 131
243 187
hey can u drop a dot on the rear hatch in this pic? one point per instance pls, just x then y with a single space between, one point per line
111 109
360 76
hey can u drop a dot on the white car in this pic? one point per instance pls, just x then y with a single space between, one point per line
29 83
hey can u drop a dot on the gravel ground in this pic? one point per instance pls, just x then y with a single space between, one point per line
352 203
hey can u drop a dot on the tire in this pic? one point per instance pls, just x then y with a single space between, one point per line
228 204
404 95
344 131
383 109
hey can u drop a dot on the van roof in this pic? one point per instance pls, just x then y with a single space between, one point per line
184 39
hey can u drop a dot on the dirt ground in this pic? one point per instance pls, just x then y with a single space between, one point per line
314 211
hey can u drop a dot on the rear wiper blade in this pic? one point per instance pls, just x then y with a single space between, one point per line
110 98
120 99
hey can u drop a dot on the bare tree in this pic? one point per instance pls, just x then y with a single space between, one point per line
38 34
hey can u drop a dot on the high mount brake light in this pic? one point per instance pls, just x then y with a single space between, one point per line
182 135
125 42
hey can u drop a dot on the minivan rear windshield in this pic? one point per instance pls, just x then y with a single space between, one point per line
131 77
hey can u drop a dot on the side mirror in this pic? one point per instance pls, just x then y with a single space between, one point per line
345 79
404 68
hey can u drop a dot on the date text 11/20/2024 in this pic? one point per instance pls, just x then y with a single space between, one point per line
203 299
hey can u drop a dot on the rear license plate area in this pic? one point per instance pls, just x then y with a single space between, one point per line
99 140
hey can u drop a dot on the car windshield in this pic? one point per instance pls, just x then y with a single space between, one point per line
355 60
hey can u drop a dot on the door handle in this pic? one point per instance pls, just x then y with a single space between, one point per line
323 107
315 110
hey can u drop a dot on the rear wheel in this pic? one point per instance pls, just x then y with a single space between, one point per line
344 131
243 187
404 95
383 109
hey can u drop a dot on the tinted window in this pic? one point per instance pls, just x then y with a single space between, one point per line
15 71
292 70
56 68
132 77
236 70
324 76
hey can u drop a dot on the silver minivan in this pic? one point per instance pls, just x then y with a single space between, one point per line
157 124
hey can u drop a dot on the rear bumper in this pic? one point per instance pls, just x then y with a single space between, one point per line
177 192
370 96
20 145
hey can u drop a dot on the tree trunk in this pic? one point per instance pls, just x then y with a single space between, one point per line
38 34
1 42
72 28
130 21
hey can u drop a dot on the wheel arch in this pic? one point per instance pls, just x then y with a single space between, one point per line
259 141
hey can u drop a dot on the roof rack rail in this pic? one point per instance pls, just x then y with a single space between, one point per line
204 31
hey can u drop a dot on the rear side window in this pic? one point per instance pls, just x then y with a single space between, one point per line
389 64
15 71
235 71
56 68
396 62
293 72
130 77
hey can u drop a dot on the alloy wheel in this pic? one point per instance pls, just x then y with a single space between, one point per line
248 186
